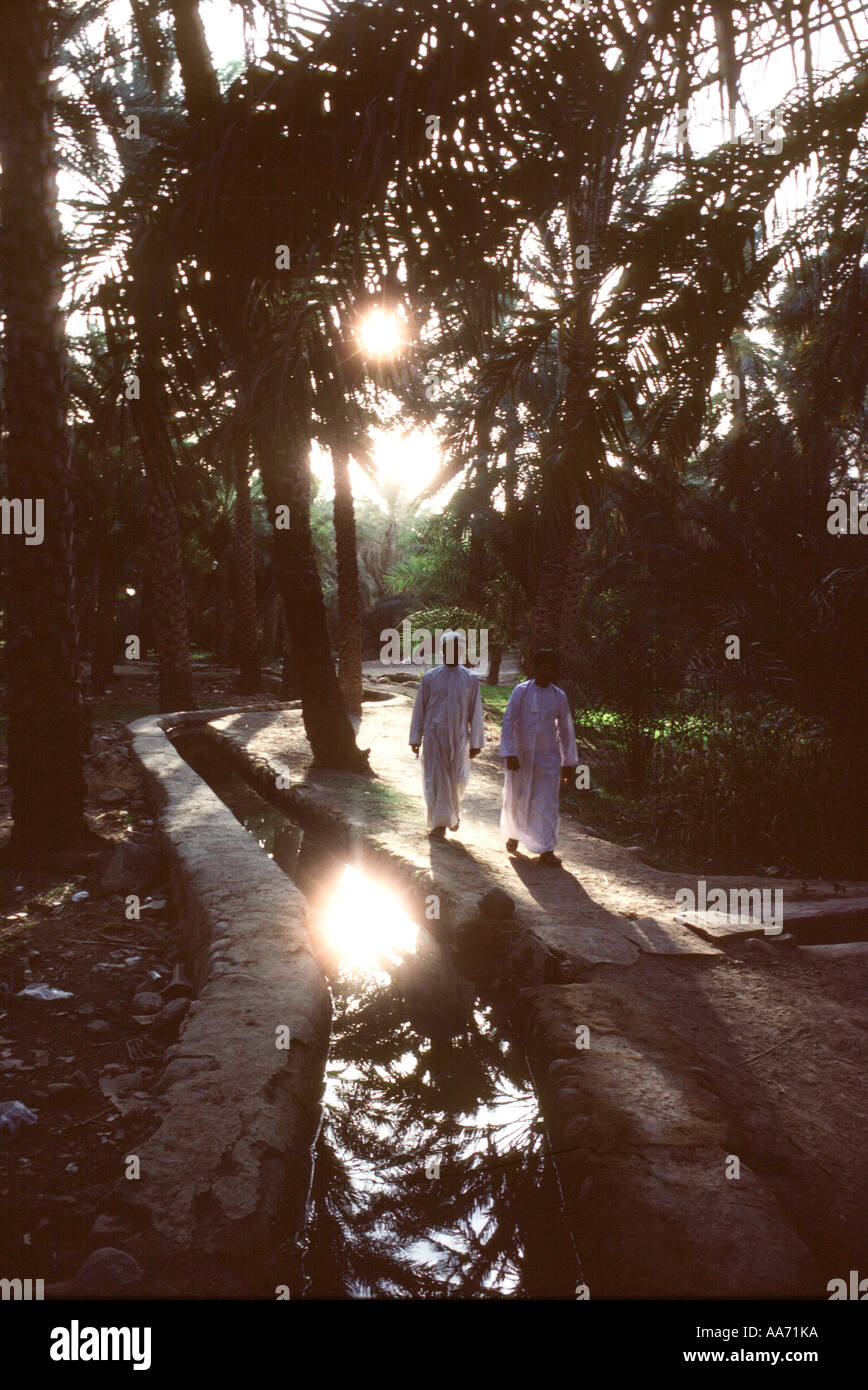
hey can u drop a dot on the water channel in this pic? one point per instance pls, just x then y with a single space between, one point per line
433 1176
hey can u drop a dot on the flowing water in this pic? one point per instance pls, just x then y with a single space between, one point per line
432 1174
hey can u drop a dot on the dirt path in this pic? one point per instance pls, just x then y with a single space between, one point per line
602 906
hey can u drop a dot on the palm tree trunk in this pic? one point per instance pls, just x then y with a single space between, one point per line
225 648
272 629
86 591
46 717
201 88
546 625
170 601
557 595
246 615
349 597
289 679
476 576
569 608
167 587
286 478
495 656
102 651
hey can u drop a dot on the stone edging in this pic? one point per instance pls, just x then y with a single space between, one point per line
224 1181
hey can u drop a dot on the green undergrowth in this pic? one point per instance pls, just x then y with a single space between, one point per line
725 790
719 789
494 700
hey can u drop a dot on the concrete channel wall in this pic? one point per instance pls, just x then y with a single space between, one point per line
223 1182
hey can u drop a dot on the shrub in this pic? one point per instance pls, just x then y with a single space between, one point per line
753 789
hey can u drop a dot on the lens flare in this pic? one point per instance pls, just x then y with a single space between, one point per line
364 925
380 333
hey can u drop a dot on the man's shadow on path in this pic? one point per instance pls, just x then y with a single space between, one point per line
444 853
560 894
444 856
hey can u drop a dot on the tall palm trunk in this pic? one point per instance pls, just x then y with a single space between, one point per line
495 657
286 477
272 628
102 650
289 679
46 717
225 648
349 596
246 615
546 626
569 608
170 600
557 598
476 587
168 587
201 88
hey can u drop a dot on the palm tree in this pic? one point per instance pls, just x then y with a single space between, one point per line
285 467
291 318
46 725
168 582
246 615
236 329
133 83
108 505
349 594
536 130
634 364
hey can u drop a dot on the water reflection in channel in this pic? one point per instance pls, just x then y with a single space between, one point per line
431 1178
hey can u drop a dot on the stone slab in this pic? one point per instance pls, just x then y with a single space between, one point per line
832 914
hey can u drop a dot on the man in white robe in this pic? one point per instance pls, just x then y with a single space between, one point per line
538 745
449 726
